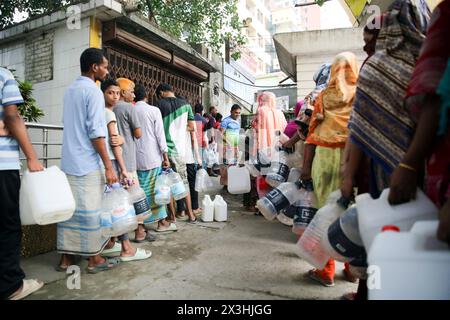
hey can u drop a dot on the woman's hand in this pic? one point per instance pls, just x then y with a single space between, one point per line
403 185
347 188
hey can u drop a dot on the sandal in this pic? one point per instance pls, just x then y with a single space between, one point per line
148 237
60 268
198 212
29 286
193 221
314 275
105 266
171 228
117 248
183 217
140 254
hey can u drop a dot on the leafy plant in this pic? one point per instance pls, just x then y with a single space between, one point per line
28 110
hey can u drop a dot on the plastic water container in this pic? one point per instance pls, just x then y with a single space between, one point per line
262 187
309 246
279 169
211 158
263 161
162 189
45 197
238 180
220 209
373 214
140 201
123 215
279 198
304 209
285 219
253 168
294 175
177 187
208 209
343 241
201 180
409 265
106 222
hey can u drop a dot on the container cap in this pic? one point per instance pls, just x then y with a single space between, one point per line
390 228
343 202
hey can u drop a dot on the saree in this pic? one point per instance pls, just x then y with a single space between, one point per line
380 125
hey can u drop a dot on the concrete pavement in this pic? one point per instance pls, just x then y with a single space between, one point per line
246 257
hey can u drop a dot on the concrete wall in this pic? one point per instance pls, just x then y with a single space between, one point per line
55 57
12 56
49 94
312 48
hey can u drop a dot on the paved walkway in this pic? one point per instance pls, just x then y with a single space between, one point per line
247 257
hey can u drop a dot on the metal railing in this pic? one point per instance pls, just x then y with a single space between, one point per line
46 128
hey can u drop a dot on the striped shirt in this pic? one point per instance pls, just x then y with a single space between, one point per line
9 95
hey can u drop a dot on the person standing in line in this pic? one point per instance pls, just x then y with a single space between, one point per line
111 91
152 157
177 119
83 147
13 133
130 129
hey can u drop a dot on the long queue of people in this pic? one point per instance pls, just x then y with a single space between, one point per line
361 130
384 125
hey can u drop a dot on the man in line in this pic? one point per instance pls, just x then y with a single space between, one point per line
177 118
152 158
111 90
130 128
230 129
83 146
13 134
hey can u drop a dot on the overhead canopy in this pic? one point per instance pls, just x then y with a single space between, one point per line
355 8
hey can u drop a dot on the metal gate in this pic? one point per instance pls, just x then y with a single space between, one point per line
150 75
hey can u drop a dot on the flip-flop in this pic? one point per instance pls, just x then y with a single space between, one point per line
148 237
105 266
116 249
140 254
193 221
171 228
29 286
182 218
58 268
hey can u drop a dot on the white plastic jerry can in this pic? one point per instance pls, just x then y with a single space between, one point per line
220 209
238 180
45 197
373 214
409 265
208 209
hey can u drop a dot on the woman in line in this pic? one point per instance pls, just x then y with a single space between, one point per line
326 139
380 126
